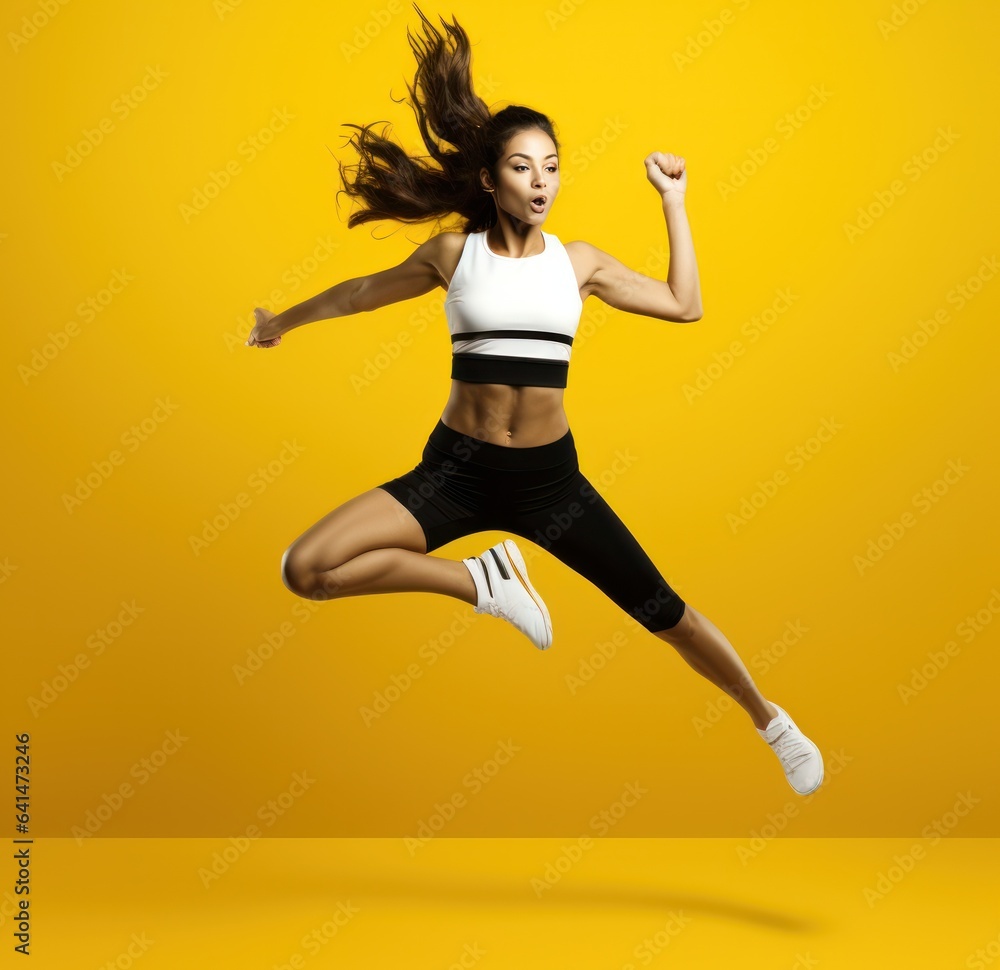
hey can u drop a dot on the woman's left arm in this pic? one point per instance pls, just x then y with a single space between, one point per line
669 176
679 297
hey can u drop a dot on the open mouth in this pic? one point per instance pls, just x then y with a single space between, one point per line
538 203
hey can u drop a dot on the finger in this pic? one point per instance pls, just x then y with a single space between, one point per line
654 171
668 163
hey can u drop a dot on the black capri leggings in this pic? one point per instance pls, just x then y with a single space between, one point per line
463 485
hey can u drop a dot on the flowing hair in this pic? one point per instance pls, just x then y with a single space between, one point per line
394 185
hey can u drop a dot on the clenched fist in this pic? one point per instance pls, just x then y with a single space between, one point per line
668 174
263 334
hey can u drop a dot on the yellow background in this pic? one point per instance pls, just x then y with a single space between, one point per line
610 77
183 92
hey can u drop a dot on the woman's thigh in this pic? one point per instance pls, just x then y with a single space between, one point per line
371 520
584 532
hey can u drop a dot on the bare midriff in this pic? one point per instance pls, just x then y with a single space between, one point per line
506 414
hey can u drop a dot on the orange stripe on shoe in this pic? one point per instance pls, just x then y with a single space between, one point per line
524 582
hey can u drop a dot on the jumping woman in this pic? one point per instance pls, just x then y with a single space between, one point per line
502 456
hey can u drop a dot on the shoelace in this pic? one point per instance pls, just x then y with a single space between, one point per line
792 749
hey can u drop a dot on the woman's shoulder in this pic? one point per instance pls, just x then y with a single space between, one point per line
584 256
444 250
452 240
446 243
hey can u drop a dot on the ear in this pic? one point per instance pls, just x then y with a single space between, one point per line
485 180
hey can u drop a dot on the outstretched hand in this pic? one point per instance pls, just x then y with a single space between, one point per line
668 174
263 335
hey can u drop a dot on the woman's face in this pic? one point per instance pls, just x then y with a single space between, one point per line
528 169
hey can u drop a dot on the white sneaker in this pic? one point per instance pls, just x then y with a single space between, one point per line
507 594
800 758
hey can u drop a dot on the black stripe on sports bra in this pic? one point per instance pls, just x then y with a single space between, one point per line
502 369
562 338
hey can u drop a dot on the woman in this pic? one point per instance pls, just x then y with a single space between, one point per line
502 456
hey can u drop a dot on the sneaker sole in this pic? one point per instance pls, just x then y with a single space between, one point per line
521 572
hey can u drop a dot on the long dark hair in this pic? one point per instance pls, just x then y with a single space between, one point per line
394 185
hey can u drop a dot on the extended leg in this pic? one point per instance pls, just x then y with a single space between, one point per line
586 533
705 648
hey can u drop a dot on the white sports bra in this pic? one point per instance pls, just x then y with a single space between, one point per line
512 319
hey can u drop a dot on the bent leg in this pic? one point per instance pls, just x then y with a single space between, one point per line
704 647
370 544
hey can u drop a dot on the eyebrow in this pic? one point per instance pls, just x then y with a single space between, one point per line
553 155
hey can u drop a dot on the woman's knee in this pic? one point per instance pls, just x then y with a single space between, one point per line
302 576
312 565
295 574
682 631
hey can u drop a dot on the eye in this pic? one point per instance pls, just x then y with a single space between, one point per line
522 165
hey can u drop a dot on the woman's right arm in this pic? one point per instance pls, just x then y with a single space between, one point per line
416 275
